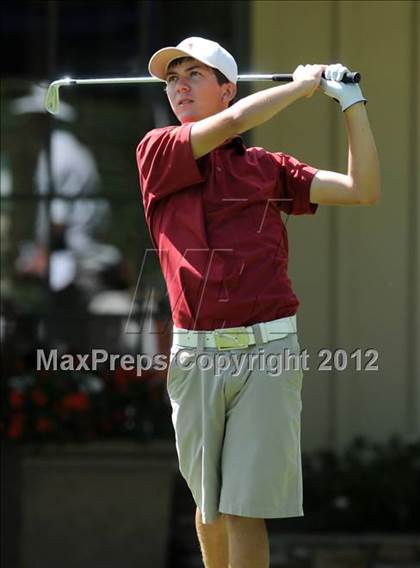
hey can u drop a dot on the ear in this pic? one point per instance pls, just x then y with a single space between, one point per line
229 92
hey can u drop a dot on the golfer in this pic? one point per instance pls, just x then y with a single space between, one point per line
213 207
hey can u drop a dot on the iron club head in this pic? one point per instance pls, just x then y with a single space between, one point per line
52 96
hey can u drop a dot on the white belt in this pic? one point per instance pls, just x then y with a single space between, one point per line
236 337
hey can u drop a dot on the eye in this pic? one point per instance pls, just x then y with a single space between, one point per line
195 73
170 78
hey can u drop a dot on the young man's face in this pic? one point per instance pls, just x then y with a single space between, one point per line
194 93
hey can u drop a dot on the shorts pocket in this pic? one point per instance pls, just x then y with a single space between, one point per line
294 374
286 354
181 362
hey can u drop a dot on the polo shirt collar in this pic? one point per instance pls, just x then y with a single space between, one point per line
236 143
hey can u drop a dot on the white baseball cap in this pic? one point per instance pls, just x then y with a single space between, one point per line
209 52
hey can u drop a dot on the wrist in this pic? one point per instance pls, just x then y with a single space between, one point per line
302 87
356 107
351 96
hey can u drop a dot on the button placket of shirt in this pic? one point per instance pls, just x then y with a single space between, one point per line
218 167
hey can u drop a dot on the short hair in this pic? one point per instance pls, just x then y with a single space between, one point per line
220 77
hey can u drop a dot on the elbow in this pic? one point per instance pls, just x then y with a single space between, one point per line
375 199
370 200
368 195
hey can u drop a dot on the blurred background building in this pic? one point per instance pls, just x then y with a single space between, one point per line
78 272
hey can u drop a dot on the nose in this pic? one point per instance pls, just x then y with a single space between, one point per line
182 85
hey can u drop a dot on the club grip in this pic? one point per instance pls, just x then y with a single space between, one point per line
350 77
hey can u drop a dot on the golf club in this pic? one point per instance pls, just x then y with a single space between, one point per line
52 97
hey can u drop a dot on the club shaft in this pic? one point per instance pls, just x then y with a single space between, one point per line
111 80
127 80
52 98
278 77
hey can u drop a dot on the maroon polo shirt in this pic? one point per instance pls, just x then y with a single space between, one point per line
216 225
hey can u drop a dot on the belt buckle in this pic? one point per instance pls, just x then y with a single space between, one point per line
233 338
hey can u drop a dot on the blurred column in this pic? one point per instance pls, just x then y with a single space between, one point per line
52 21
150 40
413 245
333 253
10 511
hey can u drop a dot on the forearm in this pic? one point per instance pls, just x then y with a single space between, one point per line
259 107
363 163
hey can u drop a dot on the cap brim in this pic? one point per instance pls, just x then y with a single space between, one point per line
159 62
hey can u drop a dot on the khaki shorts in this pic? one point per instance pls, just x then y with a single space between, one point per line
237 430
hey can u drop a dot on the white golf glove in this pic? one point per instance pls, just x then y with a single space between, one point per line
347 94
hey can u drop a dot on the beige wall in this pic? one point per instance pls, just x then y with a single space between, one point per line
355 269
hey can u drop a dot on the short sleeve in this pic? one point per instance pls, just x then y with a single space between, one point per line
166 163
295 180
